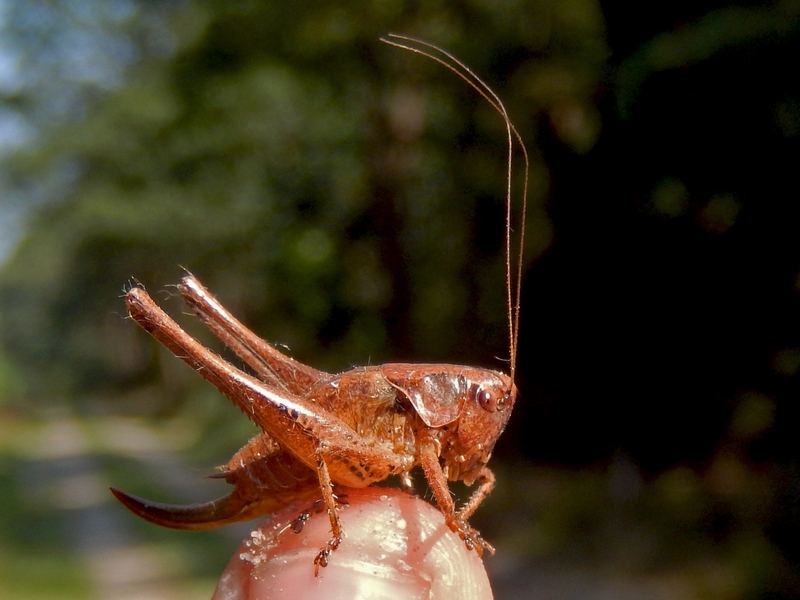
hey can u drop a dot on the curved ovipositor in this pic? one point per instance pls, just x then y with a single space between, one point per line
265 479
189 517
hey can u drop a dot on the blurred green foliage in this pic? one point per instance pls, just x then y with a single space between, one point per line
325 186
345 199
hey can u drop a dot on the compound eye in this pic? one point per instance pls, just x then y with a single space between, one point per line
485 398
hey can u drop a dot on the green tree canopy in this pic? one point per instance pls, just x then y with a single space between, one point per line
345 199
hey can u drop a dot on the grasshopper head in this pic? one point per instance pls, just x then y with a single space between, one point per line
489 399
468 407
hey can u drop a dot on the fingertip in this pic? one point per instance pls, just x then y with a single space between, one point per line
395 546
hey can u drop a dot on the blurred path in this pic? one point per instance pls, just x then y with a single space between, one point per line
65 473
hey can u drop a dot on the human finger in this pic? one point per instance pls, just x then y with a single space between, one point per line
396 546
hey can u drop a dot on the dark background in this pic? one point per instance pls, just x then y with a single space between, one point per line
346 199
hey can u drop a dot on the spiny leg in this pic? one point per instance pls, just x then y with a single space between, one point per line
486 480
271 365
224 376
326 487
289 419
457 522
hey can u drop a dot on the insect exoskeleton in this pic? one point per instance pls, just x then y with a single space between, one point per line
320 430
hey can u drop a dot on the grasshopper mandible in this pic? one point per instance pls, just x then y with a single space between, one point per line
353 429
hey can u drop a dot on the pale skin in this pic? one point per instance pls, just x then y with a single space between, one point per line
396 546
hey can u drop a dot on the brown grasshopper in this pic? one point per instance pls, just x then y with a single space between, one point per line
349 430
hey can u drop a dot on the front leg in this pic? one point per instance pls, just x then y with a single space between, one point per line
485 481
456 521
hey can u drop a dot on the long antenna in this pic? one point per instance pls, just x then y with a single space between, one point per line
513 291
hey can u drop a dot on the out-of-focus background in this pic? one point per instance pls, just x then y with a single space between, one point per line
346 199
